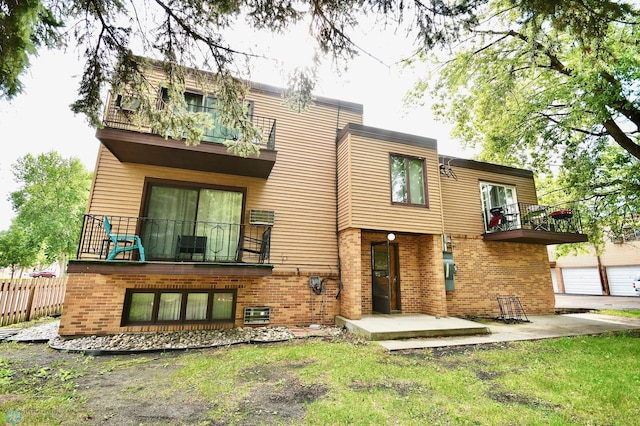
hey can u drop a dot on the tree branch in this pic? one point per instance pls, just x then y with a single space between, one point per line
188 29
621 138
621 105
575 129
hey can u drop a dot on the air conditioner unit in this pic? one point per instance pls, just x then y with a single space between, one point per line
262 217
127 103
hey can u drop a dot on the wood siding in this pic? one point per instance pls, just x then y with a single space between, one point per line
462 202
300 189
364 187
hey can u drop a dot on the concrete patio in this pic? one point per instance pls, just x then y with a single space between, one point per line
390 327
398 332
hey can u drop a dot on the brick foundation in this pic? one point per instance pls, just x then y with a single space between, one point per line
351 258
94 302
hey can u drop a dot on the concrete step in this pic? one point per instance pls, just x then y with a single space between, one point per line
398 326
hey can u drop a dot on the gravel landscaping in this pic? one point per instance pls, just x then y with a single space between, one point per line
164 340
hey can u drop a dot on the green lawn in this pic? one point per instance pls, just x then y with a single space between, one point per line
634 313
568 381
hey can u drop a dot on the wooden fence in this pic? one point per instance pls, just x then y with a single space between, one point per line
30 298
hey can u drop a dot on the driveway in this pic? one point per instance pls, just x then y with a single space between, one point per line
577 301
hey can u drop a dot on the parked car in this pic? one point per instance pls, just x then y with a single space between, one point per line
636 284
43 274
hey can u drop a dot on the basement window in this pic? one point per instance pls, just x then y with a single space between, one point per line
149 306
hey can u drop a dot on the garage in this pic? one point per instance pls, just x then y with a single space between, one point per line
620 279
581 281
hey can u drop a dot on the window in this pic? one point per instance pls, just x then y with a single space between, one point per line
499 201
209 104
496 195
173 211
178 306
408 183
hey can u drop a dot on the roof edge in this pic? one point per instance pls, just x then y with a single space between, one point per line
388 136
317 100
486 167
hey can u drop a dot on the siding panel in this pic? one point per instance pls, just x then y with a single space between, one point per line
462 202
301 188
366 188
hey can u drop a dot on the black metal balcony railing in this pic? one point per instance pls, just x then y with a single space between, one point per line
168 240
119 117
560 219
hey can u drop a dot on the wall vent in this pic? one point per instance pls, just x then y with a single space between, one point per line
262 217
257 315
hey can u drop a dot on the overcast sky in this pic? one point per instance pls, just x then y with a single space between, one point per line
39 120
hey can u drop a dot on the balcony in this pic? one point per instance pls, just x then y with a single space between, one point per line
533 224
172 247
130 142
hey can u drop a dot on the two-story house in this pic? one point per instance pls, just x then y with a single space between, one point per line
332 218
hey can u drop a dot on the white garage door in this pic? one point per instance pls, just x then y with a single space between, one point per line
620 279
581 281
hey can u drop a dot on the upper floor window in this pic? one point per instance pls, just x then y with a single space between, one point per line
209 104
408 182
496 195
500 206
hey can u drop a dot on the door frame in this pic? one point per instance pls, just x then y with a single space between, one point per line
390 302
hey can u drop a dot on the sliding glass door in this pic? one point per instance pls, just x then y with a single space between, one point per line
173 213
219 215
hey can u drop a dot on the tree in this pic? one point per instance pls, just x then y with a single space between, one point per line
197 35
556 90
17 249
25 26
50 203
200 36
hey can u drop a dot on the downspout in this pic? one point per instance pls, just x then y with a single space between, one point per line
336 191
443 236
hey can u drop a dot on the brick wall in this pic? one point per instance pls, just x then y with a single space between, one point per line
421 276
434 295
351 259
93 302
487 270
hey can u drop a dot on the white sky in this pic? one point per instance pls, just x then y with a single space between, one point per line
39 120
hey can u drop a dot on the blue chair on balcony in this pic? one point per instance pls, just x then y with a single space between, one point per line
122 242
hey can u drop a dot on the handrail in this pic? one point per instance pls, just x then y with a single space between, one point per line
562 218
119 117
169 240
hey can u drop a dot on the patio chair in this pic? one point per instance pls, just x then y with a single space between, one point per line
259 246
191 245
497 217
122 242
